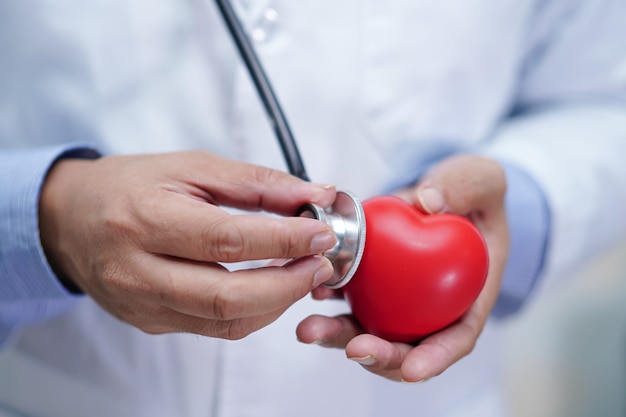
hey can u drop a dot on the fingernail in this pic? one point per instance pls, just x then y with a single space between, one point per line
419 381
368 360
320 192
323 274
323 242
314 342
431 200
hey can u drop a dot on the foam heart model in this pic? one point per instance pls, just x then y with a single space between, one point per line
419 273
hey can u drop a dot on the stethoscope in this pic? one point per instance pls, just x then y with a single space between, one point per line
345 217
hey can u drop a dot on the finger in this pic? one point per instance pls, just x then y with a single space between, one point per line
190 229
278 262
328 331
438 352
378 355
165 320
406 194
325 293
252 187
461 185
210 292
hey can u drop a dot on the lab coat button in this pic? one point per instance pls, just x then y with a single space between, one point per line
265 26
270 16
259 35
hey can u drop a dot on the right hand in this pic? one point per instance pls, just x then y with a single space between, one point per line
466 185
144 237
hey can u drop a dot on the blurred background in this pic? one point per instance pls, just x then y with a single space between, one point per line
565 355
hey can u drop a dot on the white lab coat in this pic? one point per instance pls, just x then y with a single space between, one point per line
373 91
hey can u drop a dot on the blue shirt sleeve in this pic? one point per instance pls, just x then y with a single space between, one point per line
29 290
528 215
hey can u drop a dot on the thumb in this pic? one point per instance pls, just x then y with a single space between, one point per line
430 199
461 185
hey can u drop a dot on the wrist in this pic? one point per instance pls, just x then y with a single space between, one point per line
60 184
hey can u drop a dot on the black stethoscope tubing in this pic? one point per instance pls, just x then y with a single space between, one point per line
346 215
277 118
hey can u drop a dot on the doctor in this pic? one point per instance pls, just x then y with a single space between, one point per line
112 117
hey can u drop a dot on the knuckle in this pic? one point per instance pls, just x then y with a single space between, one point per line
111 276
263 175
228 330
116 222
470 347
224 242
235 330
118 276
140 320
227 303
287 243
470 341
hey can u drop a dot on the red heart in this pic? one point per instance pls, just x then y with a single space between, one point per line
419 273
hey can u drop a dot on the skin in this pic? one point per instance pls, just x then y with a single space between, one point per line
467 185
145 237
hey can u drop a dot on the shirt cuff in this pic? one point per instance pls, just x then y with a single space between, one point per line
529 220
27 283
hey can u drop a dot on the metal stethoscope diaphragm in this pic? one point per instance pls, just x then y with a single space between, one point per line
345 217
347 220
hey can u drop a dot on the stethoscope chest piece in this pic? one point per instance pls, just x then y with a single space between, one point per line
347 220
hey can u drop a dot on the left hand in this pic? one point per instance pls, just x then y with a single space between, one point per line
466 185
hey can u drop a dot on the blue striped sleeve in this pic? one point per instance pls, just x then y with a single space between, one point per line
29 290
529 220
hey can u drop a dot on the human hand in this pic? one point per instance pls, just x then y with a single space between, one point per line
466 185
144 237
